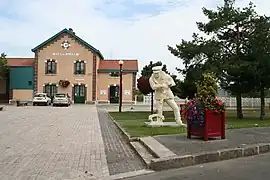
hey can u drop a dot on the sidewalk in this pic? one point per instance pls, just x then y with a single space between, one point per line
175 151
180 145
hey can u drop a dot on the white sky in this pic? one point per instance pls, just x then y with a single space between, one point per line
144 35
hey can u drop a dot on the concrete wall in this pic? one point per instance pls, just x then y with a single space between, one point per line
22 94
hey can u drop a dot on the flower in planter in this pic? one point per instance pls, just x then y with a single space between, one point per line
206 93
193 110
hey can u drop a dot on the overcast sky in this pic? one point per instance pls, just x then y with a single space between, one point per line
120 29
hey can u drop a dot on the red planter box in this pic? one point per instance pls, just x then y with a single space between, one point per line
214 126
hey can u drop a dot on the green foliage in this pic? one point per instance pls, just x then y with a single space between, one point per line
229 49
147 69
3 66
177 88
207 89
230 27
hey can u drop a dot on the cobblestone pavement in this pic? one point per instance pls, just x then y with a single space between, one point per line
120 157
180 145
51 143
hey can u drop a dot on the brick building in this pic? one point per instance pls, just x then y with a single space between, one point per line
65 63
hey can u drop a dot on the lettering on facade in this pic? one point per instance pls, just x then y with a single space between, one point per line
66 54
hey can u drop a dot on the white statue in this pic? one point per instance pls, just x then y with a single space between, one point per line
161 83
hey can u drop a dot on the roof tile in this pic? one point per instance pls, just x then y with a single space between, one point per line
110 64
13 62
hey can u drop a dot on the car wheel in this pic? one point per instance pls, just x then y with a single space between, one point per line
34 104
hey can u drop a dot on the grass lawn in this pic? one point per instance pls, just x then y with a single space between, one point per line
133 122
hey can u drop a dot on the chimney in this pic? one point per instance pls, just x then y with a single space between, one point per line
71 30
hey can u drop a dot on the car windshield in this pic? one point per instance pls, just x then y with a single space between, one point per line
40 95
60 95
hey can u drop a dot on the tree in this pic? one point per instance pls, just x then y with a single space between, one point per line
259 46
177 88
231 26
144 85
198 55
3 66
223 51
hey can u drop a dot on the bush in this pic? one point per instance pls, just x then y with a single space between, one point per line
144 85
207 90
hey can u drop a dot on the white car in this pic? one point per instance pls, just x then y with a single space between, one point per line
61 99
41 98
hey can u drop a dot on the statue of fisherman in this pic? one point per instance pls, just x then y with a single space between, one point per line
161 83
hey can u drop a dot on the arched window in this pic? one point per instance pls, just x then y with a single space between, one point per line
79 67
50 66
50 89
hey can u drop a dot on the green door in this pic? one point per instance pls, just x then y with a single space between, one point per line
79 94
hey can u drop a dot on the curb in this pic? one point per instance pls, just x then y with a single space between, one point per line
126 135
130 174
225 154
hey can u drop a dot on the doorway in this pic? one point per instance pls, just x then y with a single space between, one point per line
79 94
114 93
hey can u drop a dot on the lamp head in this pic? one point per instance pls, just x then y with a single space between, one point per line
121 62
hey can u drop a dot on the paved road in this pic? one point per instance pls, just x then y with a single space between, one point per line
56 143
250 168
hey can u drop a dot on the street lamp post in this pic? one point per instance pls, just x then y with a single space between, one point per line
121 85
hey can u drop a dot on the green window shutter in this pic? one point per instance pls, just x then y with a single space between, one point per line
46 67
84 67
85 93
73 94
55 68
75 67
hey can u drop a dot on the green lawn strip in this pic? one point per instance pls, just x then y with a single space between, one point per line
133 122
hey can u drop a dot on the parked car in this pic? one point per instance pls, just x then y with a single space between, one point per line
61 99
41 99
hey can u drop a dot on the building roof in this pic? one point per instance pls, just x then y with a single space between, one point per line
113 65
15 62
72 34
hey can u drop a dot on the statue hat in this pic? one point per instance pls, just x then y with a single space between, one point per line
156 69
